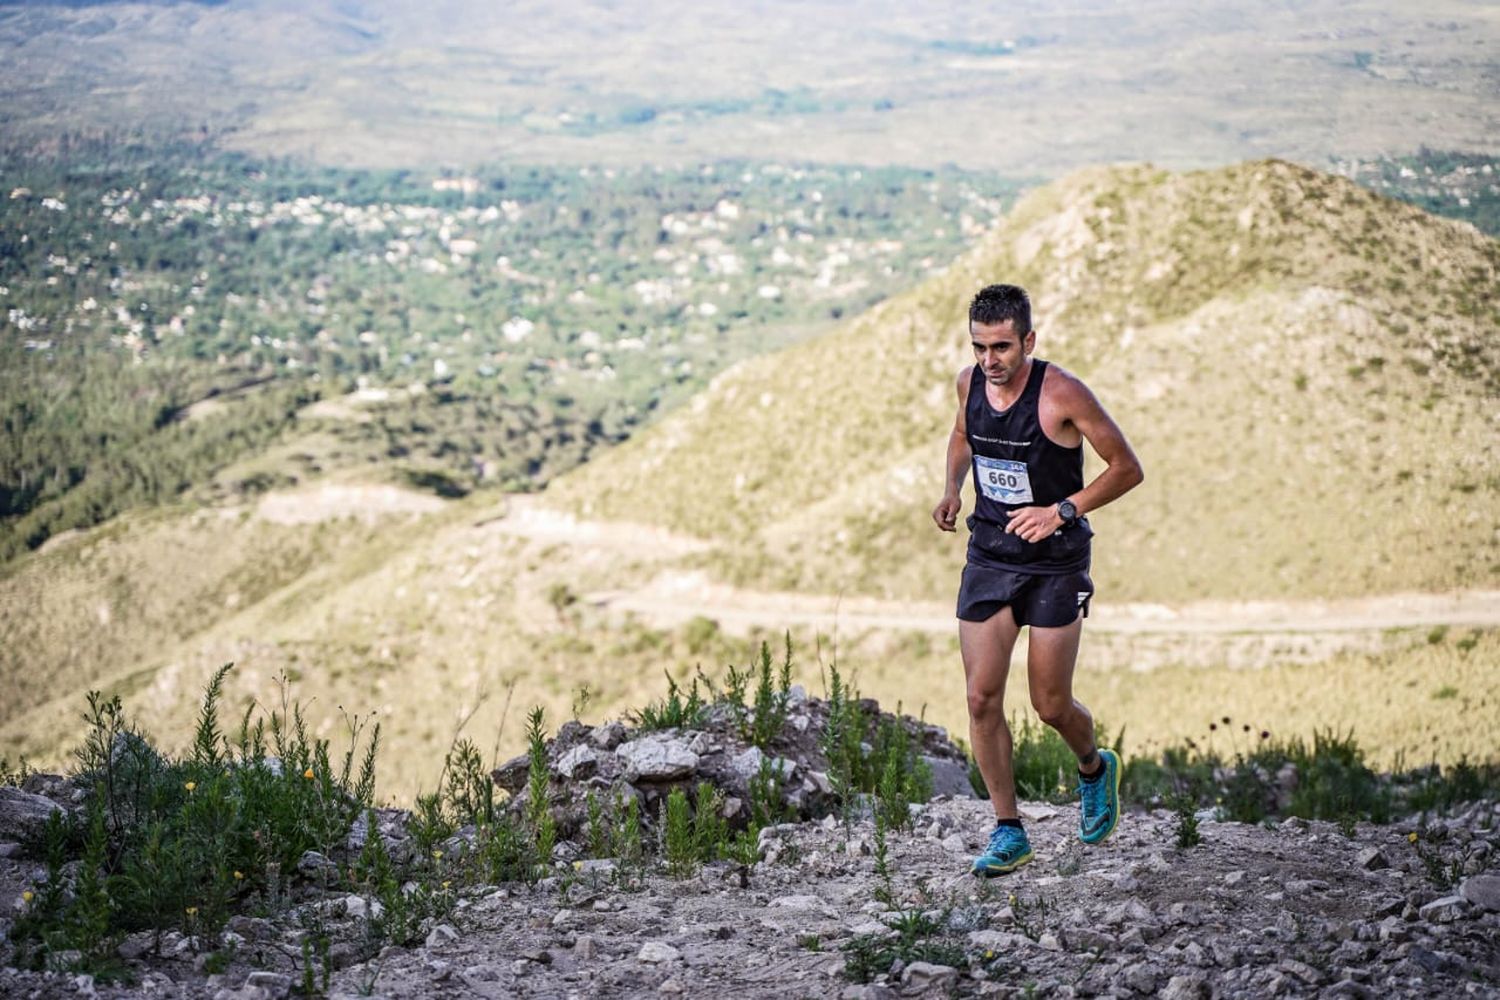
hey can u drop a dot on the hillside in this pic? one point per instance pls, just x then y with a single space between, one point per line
812 471
1308 371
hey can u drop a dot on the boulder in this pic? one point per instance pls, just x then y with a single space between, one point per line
655 758
1482 891
23 816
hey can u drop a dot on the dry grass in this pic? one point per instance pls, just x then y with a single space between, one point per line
1303 433
1317 416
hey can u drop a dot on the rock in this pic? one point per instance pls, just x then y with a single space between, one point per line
1036 811
1234 878
811 904
135 945
656 758
579 762
9 849
585 947
440 935
23 816
511 775
609 735
998 941
252 928
1186 987
657 952
1129 912
316 867
1444 910
243 993
275 984
1301 970
954 843
1372 859
949 777
1141 978
1482 891
926 976
363 909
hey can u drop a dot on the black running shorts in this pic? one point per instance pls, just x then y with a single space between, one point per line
1047 600
1042 601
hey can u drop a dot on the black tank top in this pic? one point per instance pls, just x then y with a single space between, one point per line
1016 465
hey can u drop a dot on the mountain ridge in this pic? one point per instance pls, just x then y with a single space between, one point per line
1121 263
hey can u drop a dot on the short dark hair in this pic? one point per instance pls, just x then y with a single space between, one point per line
1002 303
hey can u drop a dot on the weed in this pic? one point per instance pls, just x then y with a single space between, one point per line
538 815
920 937
627 845
710 831
675 712
1185 823
1030 916
598 832
180 843
678 845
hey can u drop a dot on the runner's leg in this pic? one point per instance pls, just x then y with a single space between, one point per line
1052 655
986 648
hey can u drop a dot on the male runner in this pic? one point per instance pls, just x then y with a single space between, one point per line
1020 429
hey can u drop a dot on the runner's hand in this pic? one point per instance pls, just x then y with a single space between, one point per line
945 514
1033 523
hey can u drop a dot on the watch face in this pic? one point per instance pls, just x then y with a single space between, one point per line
1067 511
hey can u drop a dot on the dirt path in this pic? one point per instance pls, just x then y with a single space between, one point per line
675 597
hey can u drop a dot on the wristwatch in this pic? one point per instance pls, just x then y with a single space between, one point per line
1068 511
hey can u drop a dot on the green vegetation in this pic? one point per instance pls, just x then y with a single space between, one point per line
172 312
244 821
186 843
1457 185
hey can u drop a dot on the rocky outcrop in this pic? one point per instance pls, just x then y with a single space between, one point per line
1301 909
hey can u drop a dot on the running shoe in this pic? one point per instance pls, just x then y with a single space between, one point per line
1008 850
1101 801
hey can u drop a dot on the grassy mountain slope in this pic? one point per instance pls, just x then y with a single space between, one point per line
1309 372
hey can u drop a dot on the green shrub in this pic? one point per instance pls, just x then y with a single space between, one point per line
183 843
675 712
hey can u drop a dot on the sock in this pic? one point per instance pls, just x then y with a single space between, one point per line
1091 778
1010 822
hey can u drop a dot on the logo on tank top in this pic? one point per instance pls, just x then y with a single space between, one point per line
1003 481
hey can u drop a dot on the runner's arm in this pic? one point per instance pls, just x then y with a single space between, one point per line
1122 470
959 459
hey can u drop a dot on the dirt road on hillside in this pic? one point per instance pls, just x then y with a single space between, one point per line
674 597
1221 632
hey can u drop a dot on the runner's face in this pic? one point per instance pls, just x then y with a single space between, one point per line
1000 351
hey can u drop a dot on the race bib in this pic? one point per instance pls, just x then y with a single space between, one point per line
1003 481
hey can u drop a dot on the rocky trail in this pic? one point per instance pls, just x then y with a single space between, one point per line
1295 908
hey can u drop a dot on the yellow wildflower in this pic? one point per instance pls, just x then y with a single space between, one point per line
446 884
239 875
28 896
190 785
578 866
192 911
1412 836
437 855
308 774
